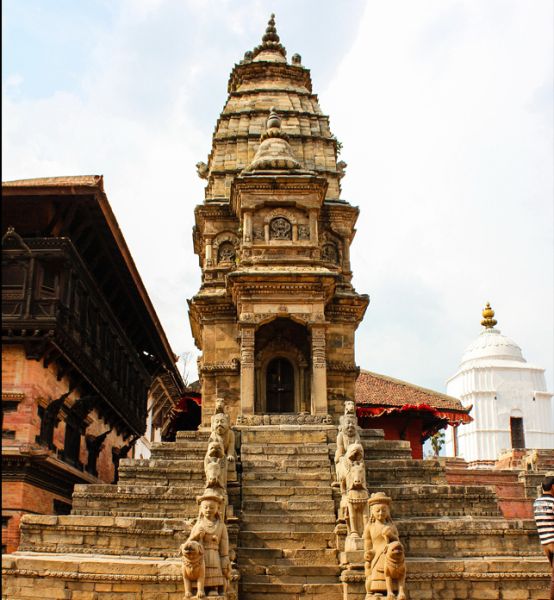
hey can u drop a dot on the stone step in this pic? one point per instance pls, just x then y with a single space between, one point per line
285 556
286 539
268 478
286 464
290 591
320 450
467 579
294 506
427 500
137 500
280 493
403 472
105 535
468 537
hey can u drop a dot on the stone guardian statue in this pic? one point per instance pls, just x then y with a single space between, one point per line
384 559
208 539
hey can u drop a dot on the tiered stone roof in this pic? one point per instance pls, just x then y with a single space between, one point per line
262 80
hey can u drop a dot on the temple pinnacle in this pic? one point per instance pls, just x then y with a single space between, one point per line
271 48
488 317
271 32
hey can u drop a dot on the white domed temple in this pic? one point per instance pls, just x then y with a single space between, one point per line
511 407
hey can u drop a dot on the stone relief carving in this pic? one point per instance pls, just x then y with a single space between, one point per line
384 558
258 234
330 253
226 252
318 348
280 229
302 418
303 232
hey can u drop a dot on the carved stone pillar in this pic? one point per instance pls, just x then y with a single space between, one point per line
247 340
313 227
208 245
319 371
247 227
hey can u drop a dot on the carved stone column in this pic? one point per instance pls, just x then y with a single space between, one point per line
247 227
319 371
208 252
247 340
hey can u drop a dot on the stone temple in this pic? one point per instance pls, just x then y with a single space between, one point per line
275 319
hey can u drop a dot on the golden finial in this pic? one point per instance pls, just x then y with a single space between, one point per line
488 317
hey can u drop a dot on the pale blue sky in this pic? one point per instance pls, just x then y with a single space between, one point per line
444 109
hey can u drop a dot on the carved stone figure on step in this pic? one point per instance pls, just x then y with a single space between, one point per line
348 434
385 566
354 494
211 533
221 426
194 567
215 455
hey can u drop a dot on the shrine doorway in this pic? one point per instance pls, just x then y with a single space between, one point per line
279 386
282 375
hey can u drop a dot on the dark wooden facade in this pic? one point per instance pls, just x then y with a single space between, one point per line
73 302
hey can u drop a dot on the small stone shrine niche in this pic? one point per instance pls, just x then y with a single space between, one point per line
206 553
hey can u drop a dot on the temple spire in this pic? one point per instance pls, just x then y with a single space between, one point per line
488 317
271 32
270 49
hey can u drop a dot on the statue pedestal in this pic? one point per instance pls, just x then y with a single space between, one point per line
353 544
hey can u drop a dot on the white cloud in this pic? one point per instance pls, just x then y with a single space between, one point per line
444 110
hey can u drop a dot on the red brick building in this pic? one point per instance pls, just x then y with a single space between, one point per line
405 411
82 346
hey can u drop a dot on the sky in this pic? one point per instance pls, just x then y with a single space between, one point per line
444 109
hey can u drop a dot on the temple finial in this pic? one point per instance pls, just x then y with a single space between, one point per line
271 48
488 317
271 32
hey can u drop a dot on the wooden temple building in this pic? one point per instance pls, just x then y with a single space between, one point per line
82 347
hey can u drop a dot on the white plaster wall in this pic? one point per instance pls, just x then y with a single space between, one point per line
498 391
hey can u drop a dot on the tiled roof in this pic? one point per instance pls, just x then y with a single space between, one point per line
67 181
373 389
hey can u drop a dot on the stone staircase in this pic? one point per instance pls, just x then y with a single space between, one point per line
121 541
286 545
458 545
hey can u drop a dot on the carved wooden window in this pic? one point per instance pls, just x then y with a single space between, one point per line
280 229
226 252
517 433
13 276
13 280
330 253
48 279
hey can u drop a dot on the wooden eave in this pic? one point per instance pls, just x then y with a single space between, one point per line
88 191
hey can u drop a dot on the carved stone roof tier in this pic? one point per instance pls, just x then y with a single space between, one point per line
261 81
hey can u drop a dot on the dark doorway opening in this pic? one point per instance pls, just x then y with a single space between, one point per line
280 386
516 430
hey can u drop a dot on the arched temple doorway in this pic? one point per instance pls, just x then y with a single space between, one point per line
282 367
279 386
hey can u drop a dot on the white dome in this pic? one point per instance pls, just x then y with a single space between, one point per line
491 344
